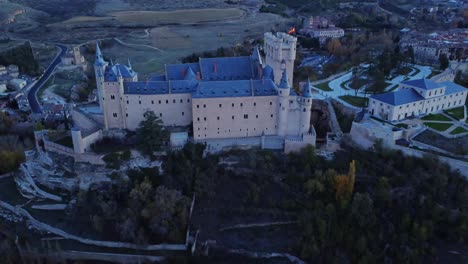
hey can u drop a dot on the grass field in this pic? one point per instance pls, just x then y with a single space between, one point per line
154 18
178 41
436 117
323 86
458 130
438 126
404 70
355 100
457 113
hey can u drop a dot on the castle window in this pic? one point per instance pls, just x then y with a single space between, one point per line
139 102
167 101
246 116
241 104
159 102
198 129
256 116
198 106
114 114
112 97
204 106
232 117
430 93
181 101
255 104
304 110
198 119
220 105
218 119
271 115
152 102
232 104
127 102
126 114
188 100
173 101
183 113
204 118
271 103
160 114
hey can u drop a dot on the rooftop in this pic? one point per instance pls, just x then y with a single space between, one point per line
423 84
400 97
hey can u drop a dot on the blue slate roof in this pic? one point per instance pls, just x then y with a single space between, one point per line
177 71
400 97
156 78
99 59
233 68
423 84
237 88
284 84
160 87
113 72
451 88
268 73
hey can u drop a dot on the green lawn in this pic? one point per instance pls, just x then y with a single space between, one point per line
355 100
458 130
323 86
436 117
438 126
457 113
401 125
66 141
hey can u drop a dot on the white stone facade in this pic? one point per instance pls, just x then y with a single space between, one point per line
422 101
217 106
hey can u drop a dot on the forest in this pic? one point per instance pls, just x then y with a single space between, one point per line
22 56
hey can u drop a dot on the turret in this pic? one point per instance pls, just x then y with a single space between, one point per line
306 107
283 98
129 64
99 70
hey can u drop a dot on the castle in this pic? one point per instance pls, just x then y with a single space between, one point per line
227 101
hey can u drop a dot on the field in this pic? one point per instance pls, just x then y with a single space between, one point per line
323 86
458 130
150 49
355 100
155 18
436 117
457 113
438 126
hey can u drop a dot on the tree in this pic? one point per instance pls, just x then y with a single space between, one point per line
151 134
443 60
344 184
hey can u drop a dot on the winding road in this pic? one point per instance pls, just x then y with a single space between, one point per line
32 93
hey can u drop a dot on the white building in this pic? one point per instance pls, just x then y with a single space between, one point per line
321 28
222 98
417 97
3 70
17 84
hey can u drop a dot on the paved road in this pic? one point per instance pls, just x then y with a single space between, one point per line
32 94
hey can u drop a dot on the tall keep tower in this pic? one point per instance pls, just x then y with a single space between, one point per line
99 69
283 91
280 53
306 107
77 55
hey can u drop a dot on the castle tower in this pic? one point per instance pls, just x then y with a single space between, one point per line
77 55
99 69
283 111
120 82
306 107
280 54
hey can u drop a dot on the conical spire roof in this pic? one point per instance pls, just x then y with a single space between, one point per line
284 84
190 75
307 89
99 60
